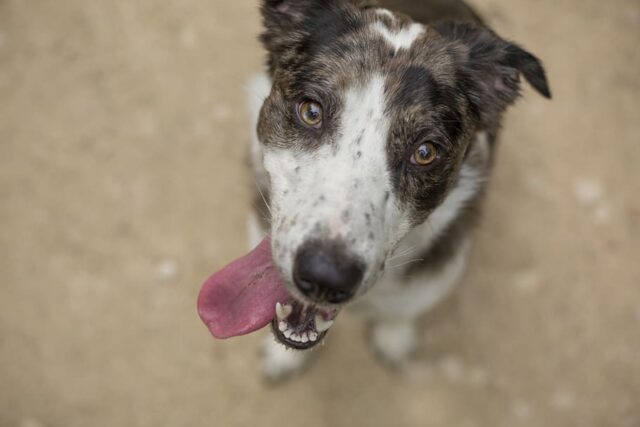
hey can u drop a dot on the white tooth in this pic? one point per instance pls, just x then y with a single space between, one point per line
282 326
283 311
321 324
313 336
304 337
287 333
294 337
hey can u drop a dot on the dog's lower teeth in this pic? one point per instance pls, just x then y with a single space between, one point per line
304 333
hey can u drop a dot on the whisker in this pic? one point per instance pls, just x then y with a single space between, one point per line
404 252
430 225
391 267
265 215
263 198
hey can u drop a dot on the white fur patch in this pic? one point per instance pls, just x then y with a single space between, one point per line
402 39
396 301
343 189
258 90
386 13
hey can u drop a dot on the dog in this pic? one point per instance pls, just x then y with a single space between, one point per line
376 127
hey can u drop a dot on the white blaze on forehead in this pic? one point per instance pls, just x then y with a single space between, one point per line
364 124
385 12
401 39
359 157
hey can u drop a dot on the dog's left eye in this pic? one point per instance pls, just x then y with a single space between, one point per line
425 154
310 113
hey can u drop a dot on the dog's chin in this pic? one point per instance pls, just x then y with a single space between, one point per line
302 325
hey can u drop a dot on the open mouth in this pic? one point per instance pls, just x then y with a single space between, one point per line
301 326
249 294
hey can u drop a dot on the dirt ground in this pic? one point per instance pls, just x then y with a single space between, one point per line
123 130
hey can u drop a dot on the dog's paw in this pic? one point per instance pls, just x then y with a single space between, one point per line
279 362
393 342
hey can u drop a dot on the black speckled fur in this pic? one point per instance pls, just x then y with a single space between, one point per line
456 80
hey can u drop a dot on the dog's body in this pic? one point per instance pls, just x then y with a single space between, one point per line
375 132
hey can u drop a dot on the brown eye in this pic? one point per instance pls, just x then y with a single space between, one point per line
425 154
310 112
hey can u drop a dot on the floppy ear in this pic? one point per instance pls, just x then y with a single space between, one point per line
490 68
282 18
287 23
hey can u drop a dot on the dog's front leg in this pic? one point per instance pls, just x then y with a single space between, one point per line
279 362
396 303
394 340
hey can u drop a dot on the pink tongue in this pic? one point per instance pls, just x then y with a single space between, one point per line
241 297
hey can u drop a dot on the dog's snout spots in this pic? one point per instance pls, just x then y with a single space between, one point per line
330 188
318 201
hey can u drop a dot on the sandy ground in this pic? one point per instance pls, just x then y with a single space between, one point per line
123 131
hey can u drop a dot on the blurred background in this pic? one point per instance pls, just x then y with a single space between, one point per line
123 133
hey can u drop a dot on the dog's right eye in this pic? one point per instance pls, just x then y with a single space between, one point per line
425 154
310 113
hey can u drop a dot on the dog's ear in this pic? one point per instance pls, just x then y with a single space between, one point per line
489 69
288 24
283 18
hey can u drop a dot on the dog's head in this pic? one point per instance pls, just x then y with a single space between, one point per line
365 130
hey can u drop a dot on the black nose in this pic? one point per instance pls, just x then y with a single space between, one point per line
325 272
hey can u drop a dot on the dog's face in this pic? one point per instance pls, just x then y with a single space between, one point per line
365 131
